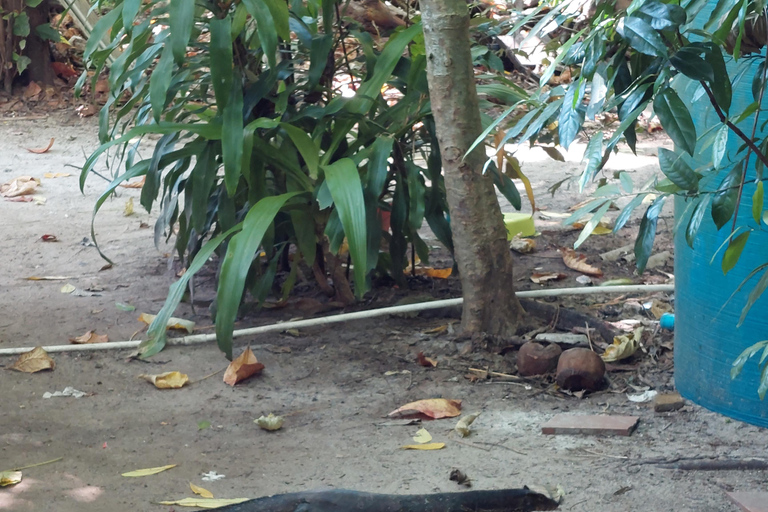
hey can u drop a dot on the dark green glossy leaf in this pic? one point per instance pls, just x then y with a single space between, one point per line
641 36
48 33
267 30
695 221
100 29
279 11
689 62
202 179
719 146
416 192
347 191
181 20
733 252
662 16
306 146
506 186
623 217
20 24
647 233
675 119
721 85
159 83
593 154
724 200
674 167
592 57
232 137
130 11
221 60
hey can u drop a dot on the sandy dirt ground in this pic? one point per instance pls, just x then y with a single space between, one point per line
328 382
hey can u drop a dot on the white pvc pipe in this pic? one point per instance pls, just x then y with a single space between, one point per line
344 317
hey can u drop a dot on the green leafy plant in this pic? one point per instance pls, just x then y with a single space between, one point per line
265 158
657 53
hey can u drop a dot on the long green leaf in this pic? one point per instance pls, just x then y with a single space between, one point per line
306 146
687 60
593 155
280 15
156 334
232 137
623 217
347 192
267 30
159 83
416 193
719 146
721 84
724 200
757 203
571 115
696 217
674 167
221 59
237 262
647 233
100 29
755 294
130 11
733 252
740 361
562 52
641 36
675 119
181 20
591 224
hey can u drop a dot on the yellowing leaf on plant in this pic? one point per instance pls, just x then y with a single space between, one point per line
178 324
244 366
270 422
435 408
205 493
148 471
428 446
422 436
205 502
623 346
90 337
578 262
9 478
33 361
128 210
462 427
167 380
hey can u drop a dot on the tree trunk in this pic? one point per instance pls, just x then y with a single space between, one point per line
40 69
480 239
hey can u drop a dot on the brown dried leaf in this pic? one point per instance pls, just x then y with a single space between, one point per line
85 110
425 361
167 380
33 361
40 151
578 262
244 366
134 184
545 277
90 337
32 90
435 408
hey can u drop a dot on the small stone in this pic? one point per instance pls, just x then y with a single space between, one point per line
537 359
580 368
666 402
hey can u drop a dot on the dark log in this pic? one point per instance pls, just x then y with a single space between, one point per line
341 500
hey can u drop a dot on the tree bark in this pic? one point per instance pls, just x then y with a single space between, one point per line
480 239
40 69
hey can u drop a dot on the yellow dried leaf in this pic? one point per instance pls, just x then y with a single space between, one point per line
68 288
148 471
167 380
438 273
244 366
422 436
205 493
602 230
623 346
429 446
270 422
90 337
178 324
34 361
9 478
462 427
435 408
205 502
128 210
51 175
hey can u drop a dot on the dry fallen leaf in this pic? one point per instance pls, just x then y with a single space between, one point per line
21 186
40 151
578 262
244 366
90 337
178 324
435 408
148 471
205 502
167 380
270 422
134 184
33 361
623 346
437 273
128 210
205 493
422 436
544 277
428 446
48 278
462 427
522 245
51 175
9 478
49 238
425 361
85 110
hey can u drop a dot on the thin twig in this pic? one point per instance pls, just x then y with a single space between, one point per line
589 338
472 445
210 375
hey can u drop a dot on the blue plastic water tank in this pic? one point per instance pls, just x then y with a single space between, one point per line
707 339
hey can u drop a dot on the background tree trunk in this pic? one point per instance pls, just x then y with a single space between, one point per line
480 239
40 69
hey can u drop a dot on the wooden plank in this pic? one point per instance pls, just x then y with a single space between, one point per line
598 424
